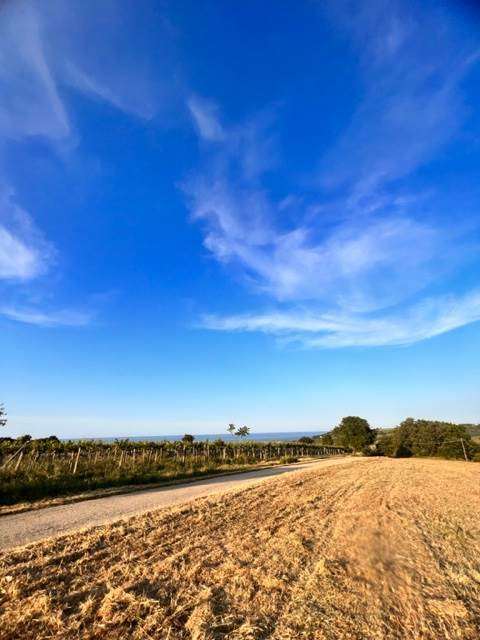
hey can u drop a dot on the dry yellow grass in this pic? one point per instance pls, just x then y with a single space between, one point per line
378 549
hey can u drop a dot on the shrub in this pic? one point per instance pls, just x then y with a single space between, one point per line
402 451
384 445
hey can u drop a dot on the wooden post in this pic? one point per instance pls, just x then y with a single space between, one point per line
76 462
19 460
464 451
13 456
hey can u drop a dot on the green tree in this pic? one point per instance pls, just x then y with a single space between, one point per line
429 438
231 428
354 433
188 439
242 432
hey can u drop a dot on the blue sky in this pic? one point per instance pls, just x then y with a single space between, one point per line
265 213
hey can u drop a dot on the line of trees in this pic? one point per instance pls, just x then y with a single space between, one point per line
427 438
424 438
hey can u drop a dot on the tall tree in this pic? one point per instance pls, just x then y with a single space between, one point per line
353 432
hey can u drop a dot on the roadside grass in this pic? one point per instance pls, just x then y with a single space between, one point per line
41 484
33 470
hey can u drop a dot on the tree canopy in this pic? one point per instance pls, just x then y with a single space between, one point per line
426 438
354 433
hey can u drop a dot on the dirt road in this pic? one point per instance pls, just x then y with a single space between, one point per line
31 526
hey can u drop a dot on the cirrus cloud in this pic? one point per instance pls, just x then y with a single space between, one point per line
361 259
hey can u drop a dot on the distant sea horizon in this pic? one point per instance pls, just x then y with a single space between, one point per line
202 437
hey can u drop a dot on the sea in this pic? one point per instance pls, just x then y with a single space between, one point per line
274 436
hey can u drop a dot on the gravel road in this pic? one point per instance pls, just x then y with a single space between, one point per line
31 526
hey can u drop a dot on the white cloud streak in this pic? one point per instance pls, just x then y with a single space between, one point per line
30 103
205 116
59 318
412 104
24 253
46 48
361 267
427 319
50 51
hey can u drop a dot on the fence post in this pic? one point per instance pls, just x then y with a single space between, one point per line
5 464
76 461
19 460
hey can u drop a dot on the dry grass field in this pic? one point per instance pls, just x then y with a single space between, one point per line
380 549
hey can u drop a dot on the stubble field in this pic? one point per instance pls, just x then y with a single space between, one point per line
378 549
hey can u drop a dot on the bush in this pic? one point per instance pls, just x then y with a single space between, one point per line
384 445
402 451
288 459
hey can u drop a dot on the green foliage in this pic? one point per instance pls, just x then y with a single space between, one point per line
385 445
472 429
426 438
242 432
188 439
402 451
306 440
326 439
288 459
32 469
354 433
433 438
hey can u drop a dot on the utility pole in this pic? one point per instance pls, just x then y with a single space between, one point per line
464 452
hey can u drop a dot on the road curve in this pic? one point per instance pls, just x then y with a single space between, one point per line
32 526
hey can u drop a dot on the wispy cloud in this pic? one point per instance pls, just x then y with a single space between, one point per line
426 319
50 52
47 48
366 258
30 103
412 104
58 318
205 116
24 253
